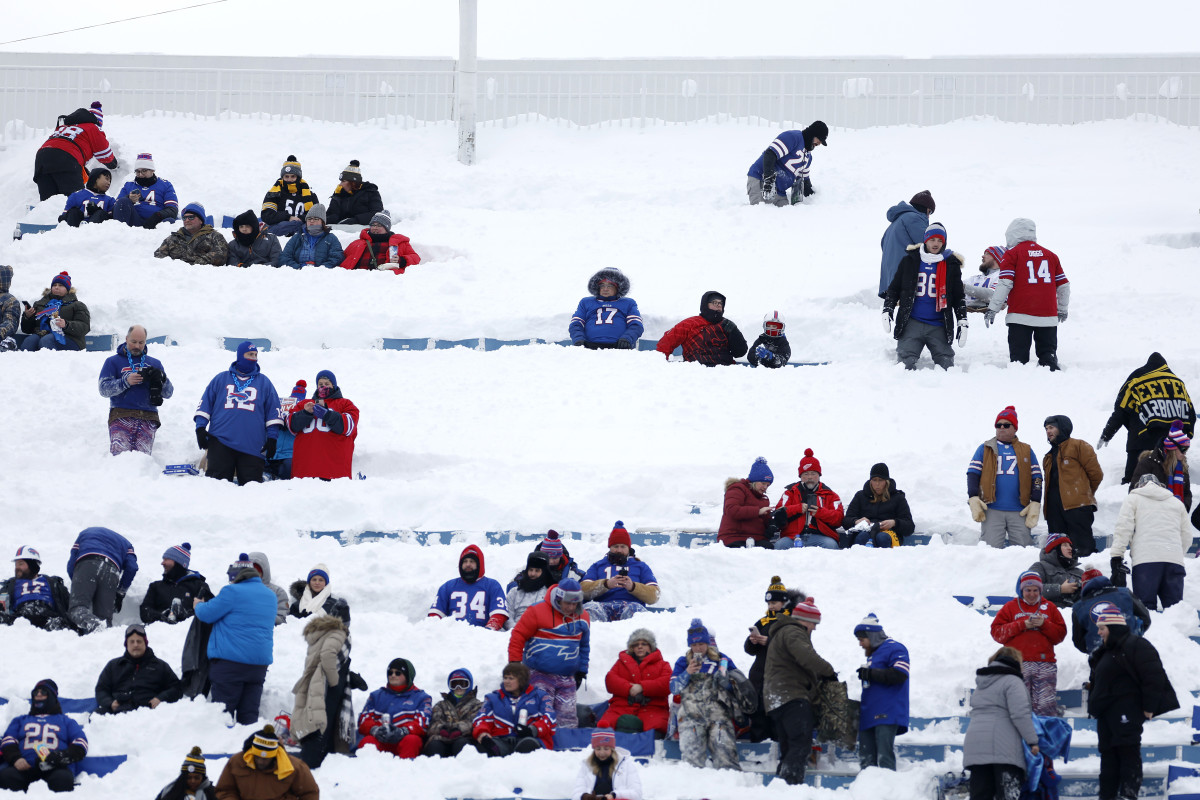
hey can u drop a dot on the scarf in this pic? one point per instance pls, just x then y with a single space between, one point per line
47 313
313 604
1178 484
940 301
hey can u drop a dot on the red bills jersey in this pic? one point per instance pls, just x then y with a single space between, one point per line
83 142
1036 275
319 452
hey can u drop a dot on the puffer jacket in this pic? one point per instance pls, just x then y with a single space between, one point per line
793 671
652 673
1001 718
240 781
626 782
552 643
1036 644
243 619
134 682
357 208
326 250
263 249
364 253
895 507
450 715
740 520
79 319
206 247
1054 573
1153 525
711 344
1078 469
324 665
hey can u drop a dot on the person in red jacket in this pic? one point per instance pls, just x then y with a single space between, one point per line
1037 291
640 683
813 511
747 511
378 248
325 428
709 338
60 166
1033 625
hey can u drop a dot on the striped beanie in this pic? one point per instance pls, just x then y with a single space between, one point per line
144 161
194 763
1105 610
1054 541
1111 616
180 554
935 230
870 624
997 252
97 112
604 737
291 167
264 743
552 546
1029 576
807 610
63 277
1176 438
352 173
300 390
776 591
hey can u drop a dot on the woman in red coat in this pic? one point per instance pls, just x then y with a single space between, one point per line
373 247
325 427
747 508
1033 625
640 685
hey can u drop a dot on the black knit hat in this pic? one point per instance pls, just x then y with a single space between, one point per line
818 130
410 672
880 470
776 591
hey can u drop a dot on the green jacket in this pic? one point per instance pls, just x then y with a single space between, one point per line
206 247
79 319
793 668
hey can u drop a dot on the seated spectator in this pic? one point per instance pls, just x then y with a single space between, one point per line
170 599
709 338
354 202
562 566
756 645
265 770
395 718
979 289
747 509
148 199
813 511
878 516
10 311
608 771
516 718
471 596
192 783
325 428
771 349
101 567
640 684
263 567
1059 569
706 702
378 248
553 639
1098 592
321 694
313 597
607 318
137 679
1032 625
252 243
1154 527
288 201
91 203
41 599
528 588
316 246
453 716
43 745
279 467
135 385
196 242
58 320
620 584
1167 462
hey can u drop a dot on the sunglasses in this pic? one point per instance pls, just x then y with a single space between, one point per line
190 216
1003 424
397 672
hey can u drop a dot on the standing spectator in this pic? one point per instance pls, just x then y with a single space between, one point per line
92 203
316 246
608 771
771 348
620 584
607 318
61 162
322 692
553 639
472 596
793 675
10 311
287 203
57 320
1033 625
325 428
146 200
1168 463
196 242
1151 399
528 588
884 711
561 564
241 645
929 290
710 338
263 567
1154 527
453 716
1058 567
1097 595
516 718
192 783
170 599
1128 686
135 385
238 421
252 243
640 684
312 597
747 509
137 679
702 681
812 510
906 226
779 176
101 567
45 726
1001 719
878 514
395 718
280 467
265 771
1036 289
756 645
378 248
1004 486
980 288
1072 475
41 599
354 202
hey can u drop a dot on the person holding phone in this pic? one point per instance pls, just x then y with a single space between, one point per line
756 645
620 584
1033 625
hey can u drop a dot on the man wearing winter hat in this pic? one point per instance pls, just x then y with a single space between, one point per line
884 711
378 247
925 298
1072 473
980 287
395 718
779 176
135 385
354 201
137 679
906 227
265 770
1032 284
286 204
60 164
709 338
196 242
58 320
1004 486
146 200
756 645
43 745
170 599
809 512
620 584
472 596
41 599
238 420
252 243
315 246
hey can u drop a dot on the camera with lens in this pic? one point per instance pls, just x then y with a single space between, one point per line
153 378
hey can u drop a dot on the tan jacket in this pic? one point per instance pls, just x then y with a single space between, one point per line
987 481
1079 473
325 636
239 781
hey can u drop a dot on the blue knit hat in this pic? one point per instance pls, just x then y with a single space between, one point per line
319 569
697 633
759 471
870 624
180 554
195 208
935 229
327 374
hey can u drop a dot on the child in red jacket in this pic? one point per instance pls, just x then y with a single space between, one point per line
1033 625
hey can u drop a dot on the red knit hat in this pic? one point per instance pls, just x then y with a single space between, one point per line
619 535
807 610
1009 413
809 462
1055 541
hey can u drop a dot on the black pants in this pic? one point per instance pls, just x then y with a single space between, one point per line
793 723
445 748
1044 340
767 543
1131 462
224 462
997 782
1076 524
60 779
75 216
56 172
500 746
1120 771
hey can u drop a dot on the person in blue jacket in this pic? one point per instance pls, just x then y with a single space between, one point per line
907 227
43 745
148 199
516 718
1096 593
241 645
315 246
238 420
784 165
620 584
607 319
884 711
101 567
135 385
91 203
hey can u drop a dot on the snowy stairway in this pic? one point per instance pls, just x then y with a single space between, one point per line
642 537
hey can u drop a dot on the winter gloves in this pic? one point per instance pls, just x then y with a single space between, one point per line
978 509
624 344
961 334
1031 513
1100 444
319 411
579 676
388 734
768 185
1062 315
269 450
202 438
887 320
1119 571
525 732
989 317
118 601
54 760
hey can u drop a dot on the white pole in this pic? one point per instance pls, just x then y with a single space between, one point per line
468 15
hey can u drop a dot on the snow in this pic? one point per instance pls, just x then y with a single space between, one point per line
537 437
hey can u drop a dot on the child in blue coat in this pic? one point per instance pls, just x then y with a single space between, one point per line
607 319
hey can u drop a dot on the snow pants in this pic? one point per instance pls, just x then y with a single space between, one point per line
1041 680
131 435
701 738
794 724
15 780
918 335
561 689
41 615
238 686
408 747
1158 580
224 463
1043 338
1076 524
1002 528
997 782
93 593
1120 772
446 748
56 172
877 747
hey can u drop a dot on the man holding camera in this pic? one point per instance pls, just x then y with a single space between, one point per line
135 386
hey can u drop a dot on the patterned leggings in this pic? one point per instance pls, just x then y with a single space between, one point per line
561 689
1041 679
129 434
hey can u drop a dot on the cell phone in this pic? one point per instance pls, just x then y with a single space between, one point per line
623 571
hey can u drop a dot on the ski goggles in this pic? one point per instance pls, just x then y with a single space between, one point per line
459 683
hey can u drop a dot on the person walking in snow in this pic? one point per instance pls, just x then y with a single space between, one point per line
1004 486
620 584
607 318
453 716
883 714
779 176
1148 402
60 165
1033 625
1001 718
1032 282
701 679
396 716
928 289
135 385
756 645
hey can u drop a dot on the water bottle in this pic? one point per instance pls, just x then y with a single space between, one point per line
724 665
394 254
176 612
523 717
866 682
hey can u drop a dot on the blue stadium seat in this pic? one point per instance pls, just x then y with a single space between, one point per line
404 344
100 342
231 343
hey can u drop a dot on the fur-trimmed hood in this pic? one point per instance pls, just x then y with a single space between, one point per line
608 273
319 626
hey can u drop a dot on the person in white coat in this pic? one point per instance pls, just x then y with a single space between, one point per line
1154 526
609 772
